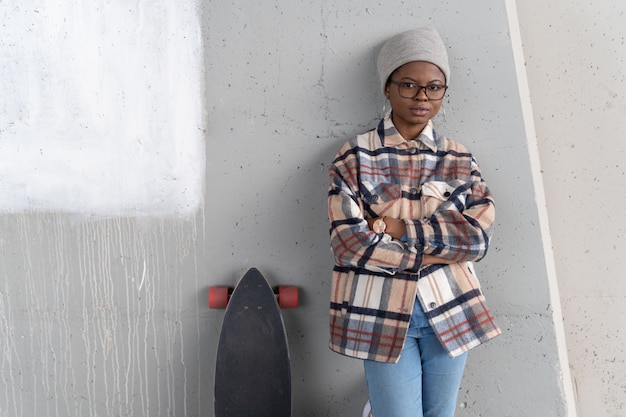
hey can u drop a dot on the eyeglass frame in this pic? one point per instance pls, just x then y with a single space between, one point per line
419 89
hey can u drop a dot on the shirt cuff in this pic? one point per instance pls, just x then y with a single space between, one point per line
418 235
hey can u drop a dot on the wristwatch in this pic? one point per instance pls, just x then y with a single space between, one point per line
379 225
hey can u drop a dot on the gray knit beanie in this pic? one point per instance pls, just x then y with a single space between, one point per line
423 44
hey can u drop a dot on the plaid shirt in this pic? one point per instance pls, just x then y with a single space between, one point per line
435 186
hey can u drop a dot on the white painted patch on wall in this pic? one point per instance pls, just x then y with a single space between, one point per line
102 110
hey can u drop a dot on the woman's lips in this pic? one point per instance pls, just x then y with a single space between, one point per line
420 111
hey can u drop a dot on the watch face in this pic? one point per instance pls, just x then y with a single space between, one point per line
380 226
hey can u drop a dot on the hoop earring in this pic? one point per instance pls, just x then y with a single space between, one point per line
385 108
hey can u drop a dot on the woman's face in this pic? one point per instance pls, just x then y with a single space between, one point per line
410 115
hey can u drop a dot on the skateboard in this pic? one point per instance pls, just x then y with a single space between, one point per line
253 371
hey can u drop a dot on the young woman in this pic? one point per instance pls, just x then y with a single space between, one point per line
409 213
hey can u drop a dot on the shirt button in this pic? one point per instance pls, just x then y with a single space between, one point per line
412 151
446 194
413 191
432 305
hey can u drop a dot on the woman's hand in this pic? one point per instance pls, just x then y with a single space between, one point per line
395 227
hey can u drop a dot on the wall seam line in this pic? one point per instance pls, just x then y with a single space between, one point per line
535 165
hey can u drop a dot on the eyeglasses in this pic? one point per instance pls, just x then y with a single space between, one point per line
407 89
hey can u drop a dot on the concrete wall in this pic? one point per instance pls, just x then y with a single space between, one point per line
103 307
91 120
576 55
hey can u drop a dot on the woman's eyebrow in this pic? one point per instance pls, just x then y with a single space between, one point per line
436 80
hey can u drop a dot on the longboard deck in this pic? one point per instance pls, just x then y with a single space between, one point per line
253 372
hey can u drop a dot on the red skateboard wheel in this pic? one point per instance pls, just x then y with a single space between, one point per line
218 297
288 297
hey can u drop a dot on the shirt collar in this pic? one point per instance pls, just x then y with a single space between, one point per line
389 135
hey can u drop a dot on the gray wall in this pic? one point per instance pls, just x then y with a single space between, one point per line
576 57
106 314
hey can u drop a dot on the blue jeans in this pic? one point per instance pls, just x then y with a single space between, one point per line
425 381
